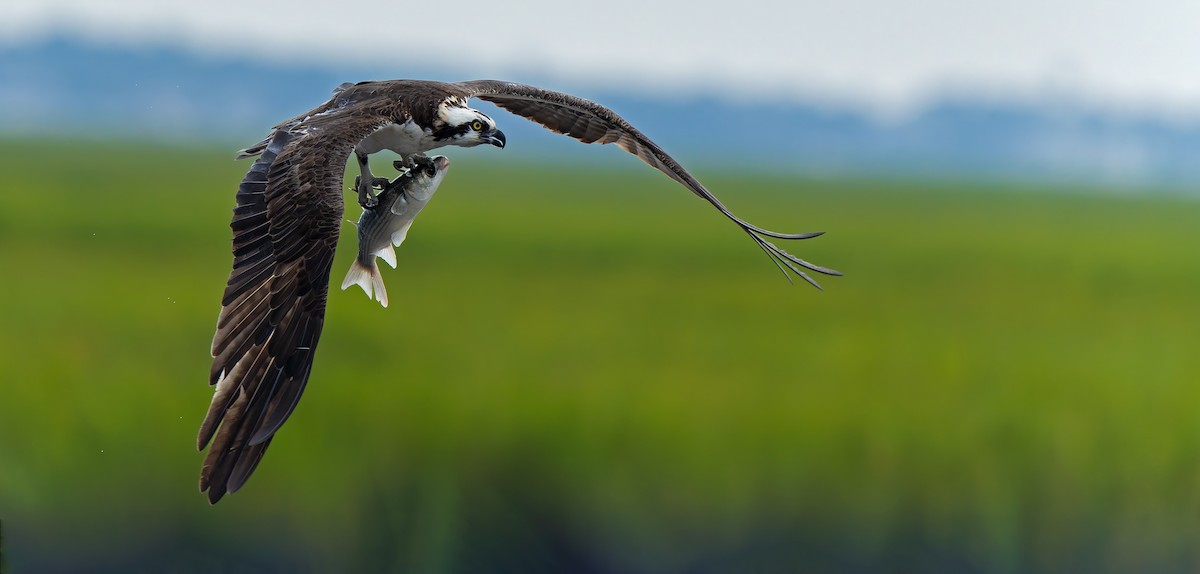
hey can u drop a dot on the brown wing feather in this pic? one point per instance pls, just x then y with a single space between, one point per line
285 226
590 122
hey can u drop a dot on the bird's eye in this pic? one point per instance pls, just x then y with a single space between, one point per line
477 125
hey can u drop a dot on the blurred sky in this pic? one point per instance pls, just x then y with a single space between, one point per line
888 56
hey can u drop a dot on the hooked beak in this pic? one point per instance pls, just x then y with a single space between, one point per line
495 137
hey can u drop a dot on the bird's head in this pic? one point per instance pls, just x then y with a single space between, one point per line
456 124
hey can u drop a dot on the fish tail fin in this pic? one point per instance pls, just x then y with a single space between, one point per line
367 277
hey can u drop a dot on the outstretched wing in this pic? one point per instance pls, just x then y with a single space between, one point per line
590 122
285 230
293 123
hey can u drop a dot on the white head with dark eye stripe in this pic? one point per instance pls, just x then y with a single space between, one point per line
456 124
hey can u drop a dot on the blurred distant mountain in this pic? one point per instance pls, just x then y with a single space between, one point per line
67 88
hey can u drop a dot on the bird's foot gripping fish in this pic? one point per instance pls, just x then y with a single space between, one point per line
387 224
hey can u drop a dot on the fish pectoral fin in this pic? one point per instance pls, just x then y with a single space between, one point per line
387 254
401 234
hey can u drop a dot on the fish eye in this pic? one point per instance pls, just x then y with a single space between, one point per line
430 171
477 125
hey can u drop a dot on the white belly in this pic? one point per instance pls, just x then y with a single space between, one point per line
405 139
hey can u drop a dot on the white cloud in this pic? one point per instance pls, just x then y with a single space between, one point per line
891 56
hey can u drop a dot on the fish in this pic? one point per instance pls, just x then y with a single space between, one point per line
387 224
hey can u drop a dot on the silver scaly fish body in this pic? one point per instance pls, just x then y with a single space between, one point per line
387 224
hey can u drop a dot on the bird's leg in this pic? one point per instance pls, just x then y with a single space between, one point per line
366 182
419 160
404 164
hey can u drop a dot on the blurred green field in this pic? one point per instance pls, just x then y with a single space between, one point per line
597 373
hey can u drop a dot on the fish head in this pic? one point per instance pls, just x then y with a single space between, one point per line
427 173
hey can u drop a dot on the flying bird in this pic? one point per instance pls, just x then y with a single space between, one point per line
287 221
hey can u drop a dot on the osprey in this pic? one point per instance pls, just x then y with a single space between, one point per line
288 217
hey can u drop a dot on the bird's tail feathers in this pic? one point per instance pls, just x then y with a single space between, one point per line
367 277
